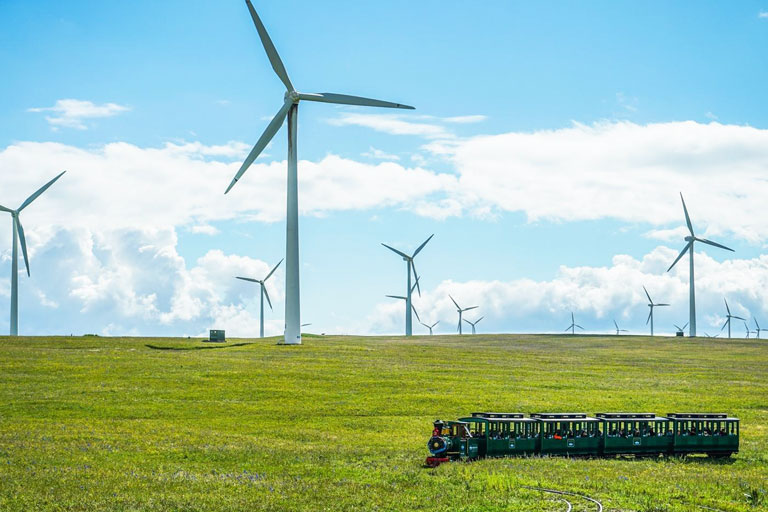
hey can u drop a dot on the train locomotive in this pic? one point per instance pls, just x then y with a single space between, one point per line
493 434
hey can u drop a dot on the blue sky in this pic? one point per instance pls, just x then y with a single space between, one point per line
550 139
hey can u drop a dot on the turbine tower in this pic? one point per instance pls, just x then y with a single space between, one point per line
729 316
617 328
460 310
573 325
651 305
757 328
410 265
18 236
430 327
689 247
473 324
412 308
290 109
263 293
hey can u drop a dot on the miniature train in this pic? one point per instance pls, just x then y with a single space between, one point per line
488 434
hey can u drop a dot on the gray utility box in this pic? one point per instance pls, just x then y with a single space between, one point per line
217 336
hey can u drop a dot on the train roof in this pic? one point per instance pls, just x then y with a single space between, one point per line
483 419
561 416
629 416
699 416
497 415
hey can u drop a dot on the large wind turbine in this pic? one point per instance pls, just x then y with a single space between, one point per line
290 109
18 235
573 325
729 316
410 265
651 305
618 331
689 247
263 293
430 327
460 311
757 326
473 324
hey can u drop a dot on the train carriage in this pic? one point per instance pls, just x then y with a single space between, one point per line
715 434
568 434
506 433
627 433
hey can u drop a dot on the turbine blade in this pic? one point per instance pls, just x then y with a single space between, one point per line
266 294
580 327
686 325
417 285
23 241
682 253
687 218
617 325
4 209
457 306
274 58
715 244
725 324
39 191
661 304
273 270
727 308
396 251
568 328
756 324
478 320
738 318
647 295
678 327
272 128
473 307
415 313
470 323
248 279
649 317
434 324
396 297
417 251
345 99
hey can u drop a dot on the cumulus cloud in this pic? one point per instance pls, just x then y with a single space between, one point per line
597 296
378 154
393 124
71 113
763 14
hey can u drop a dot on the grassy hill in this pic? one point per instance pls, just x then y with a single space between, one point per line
341 423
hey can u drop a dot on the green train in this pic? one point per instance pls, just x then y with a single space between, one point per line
494 434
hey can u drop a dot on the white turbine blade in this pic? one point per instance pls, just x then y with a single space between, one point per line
715 244
4 209
470 323
617 325
457 306
727 308
661 304
478 320
417 285
417 251
396 297
472 307
756 324
272 128
682 253
396 251
274 58
678 327
649 317
266 294
273 270
568 328
647 295
580 327
738 318
687 218
23 241
415 313
727 321
345 99
686 325
248 279
40 191
434 324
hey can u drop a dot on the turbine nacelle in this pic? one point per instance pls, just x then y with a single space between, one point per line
292 96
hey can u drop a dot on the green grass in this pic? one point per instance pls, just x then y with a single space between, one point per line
341 423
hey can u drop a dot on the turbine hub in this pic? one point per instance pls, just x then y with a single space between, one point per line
689 239
292 95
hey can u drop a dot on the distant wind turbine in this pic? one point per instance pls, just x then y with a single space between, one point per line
651 305
689 247
746 326
473 324
290 109
729 316
573 325
680 330
618 331
18 236
263 287
430 327
410 266
758 329
461 310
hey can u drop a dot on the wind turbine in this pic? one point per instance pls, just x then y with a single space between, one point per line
680 330
473 324
651 305
410 265
729 316
407 301
746 326
18 235
263 293
617 328
460 311
290 109
689 247
430 327
573 325
757 326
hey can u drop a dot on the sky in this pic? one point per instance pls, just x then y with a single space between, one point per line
547 153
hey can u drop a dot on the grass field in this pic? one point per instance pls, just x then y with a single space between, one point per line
341 423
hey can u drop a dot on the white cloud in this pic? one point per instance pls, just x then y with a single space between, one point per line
71 113
204 229
465 119
762 14
393 124
378 154
597 296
